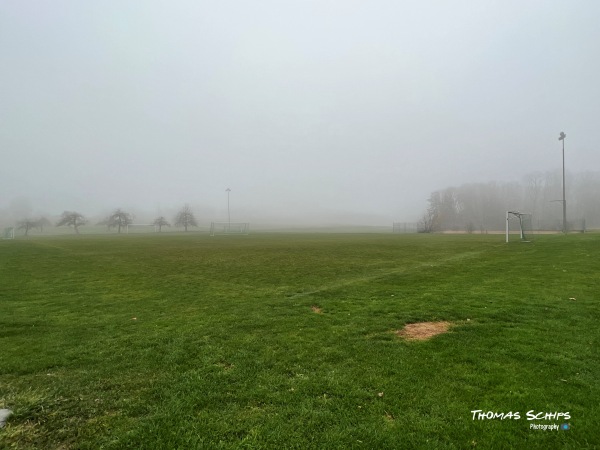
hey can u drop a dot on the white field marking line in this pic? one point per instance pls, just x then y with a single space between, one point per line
49 245
387 273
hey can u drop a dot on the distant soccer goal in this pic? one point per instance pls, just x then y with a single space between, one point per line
519 223
141 228
229 228
8 233
404 227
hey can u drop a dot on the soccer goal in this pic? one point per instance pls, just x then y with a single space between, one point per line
229 228
404 227
141 228
521 224
8 233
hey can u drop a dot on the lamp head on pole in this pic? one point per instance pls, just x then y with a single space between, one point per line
562 136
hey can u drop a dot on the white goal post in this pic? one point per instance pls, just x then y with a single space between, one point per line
8 233
229 228
141 228
524 222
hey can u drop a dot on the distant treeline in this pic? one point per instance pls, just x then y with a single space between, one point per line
478 207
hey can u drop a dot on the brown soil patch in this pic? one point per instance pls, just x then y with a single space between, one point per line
423 330
316 309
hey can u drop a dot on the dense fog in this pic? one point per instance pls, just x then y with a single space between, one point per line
311 112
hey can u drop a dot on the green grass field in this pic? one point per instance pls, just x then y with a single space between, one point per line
186 341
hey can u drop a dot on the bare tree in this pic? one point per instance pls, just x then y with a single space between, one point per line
42 222
26 224
185 218
119 219
71 219
430 221
161 222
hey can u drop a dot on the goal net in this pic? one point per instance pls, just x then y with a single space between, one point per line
404 227
140 228
8 233
519 224
229 228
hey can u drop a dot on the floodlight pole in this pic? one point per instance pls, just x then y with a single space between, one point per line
564 201
228 214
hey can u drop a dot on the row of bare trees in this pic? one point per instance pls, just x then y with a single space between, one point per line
30 224
482 206
118 220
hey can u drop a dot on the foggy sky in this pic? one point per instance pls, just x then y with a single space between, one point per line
316 109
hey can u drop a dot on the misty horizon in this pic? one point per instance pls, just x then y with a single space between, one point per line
471 204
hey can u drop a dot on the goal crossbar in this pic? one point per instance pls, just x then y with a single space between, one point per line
140 226
229 228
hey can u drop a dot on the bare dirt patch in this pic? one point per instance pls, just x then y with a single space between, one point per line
316 309
422 331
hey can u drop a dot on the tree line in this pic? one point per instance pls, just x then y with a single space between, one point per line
482 206
118 220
